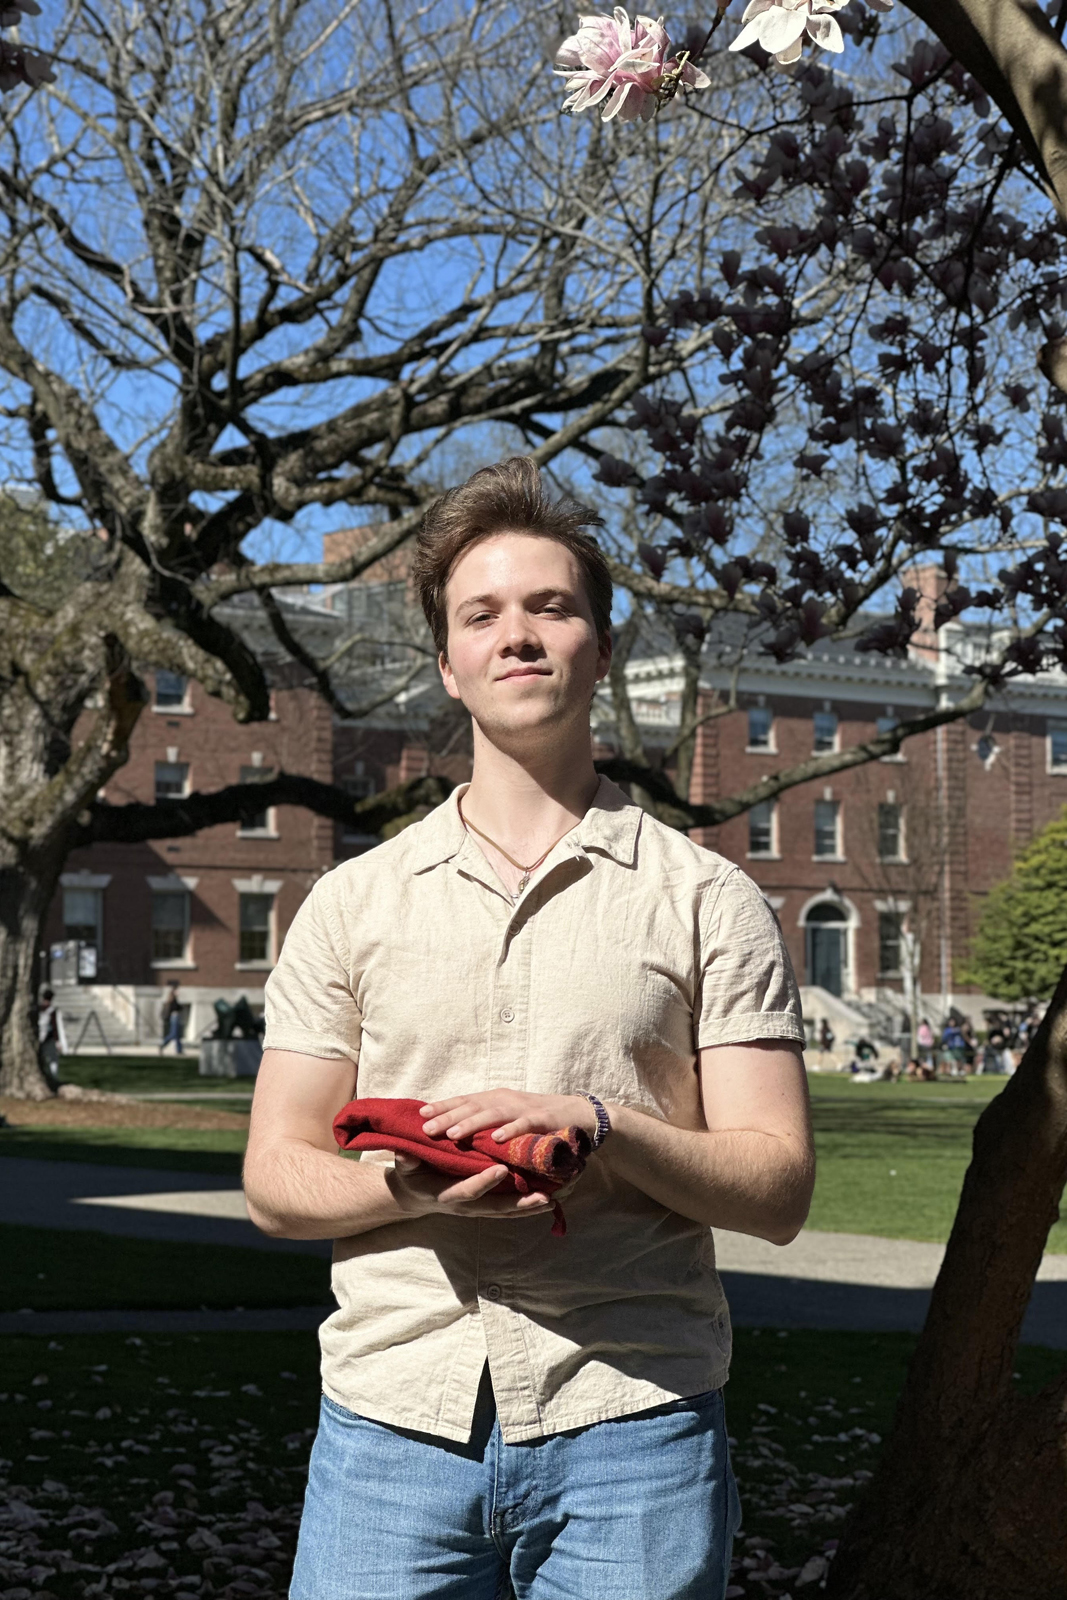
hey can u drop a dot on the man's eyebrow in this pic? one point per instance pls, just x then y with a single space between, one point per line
537 594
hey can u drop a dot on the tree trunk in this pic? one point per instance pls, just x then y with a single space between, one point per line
969 1501
26 890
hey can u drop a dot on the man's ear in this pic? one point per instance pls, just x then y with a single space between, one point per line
447 677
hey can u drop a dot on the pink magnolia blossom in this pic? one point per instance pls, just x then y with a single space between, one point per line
628 69
780 25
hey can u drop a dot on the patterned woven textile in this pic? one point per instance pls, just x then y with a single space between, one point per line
538 1163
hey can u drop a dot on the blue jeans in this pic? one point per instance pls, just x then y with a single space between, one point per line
642 1507
173 1033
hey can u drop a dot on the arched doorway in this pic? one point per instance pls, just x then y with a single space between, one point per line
825 935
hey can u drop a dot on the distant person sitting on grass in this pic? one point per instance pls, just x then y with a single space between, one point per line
171 1015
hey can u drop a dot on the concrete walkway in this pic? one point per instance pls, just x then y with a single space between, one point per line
821 1280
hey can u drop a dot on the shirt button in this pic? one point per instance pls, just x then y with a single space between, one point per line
507 1015
493 1292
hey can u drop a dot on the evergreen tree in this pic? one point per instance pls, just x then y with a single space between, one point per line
1020 946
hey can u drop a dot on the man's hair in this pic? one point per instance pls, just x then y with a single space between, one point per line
508 497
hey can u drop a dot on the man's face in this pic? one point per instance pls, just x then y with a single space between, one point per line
523 655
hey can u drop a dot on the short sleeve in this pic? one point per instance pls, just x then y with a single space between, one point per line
308 999
747 986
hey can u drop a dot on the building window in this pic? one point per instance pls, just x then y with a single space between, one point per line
172 780
170 925
824 732
259 821
761 829
760 725
255 942
171 689
82 915
1057 746
890 943
890 832
827 829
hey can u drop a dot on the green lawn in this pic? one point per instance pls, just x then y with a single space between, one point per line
53 1269
194 1447
148 1074
891 1157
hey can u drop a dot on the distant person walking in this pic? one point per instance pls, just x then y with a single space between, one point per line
826 1035
51 1034
171 1016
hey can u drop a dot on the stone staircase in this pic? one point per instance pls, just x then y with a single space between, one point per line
90 1023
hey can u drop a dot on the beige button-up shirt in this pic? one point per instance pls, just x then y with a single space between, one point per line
631 949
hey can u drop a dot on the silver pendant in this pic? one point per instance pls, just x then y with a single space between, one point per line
523 881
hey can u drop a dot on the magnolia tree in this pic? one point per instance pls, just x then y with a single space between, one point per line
19 67
871 409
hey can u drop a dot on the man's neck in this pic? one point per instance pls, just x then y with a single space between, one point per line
525 802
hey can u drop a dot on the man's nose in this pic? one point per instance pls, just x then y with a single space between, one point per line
520 630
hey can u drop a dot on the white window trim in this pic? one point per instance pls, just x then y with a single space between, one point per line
901 858
173 711
835 745
183 886
162 799
1055 769
891 908
257 884
838 856
774 853
84 880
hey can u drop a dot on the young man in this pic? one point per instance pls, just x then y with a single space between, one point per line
170 1015
537 953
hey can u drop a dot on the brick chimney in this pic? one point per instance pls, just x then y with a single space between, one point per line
932 582
394 567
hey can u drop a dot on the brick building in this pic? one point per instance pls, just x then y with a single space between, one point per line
210 910
876 874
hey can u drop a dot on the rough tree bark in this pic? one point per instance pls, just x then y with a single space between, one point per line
49 666
969 1500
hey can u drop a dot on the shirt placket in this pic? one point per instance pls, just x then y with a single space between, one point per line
515 1383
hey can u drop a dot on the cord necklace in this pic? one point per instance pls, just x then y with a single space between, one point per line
527 871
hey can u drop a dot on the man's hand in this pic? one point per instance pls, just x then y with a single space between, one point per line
509 1112
420 1191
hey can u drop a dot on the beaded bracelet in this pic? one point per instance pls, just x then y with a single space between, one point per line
603 1121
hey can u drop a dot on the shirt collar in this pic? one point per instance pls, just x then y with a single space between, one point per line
611 826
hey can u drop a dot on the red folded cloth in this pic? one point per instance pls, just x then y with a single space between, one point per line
538 1163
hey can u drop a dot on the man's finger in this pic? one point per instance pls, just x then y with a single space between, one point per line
473 1188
